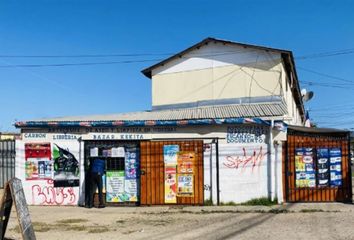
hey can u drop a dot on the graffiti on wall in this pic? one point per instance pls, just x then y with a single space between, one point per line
49 195
249 158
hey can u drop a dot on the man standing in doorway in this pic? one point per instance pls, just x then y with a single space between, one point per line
97 171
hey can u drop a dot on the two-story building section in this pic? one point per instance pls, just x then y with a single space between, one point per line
214 133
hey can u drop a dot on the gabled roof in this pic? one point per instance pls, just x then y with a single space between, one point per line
147 71
286 55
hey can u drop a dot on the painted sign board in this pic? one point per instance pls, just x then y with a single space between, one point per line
14 194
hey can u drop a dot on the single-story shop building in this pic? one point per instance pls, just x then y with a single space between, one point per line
225 126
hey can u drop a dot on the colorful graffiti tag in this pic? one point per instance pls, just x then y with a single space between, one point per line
49 195
252 158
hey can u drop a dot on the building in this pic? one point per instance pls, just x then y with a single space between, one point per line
8 136
215 132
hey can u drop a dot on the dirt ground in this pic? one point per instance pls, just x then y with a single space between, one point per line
297 221
292 221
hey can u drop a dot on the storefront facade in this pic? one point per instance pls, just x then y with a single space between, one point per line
150 165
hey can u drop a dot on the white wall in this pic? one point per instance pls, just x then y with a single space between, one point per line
42 191
246 170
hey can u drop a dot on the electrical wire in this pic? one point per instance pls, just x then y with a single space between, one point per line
326 54
303 57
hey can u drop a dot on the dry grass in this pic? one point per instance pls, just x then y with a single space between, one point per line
72 220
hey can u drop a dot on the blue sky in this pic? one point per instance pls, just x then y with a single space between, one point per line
84 27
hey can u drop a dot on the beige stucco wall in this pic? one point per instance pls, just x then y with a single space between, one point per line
293 117
217 71
223 82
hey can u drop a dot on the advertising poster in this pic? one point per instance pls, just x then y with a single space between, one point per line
131 163
322 167
38 169
38 165
185 185
170 184
304 167
170 154
114 186
185 162
94 152
130 191
66 168
335 157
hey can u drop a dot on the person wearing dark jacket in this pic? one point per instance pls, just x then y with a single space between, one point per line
97 171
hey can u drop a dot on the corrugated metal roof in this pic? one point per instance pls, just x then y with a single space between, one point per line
207 112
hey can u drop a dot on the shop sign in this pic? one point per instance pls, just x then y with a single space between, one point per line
65 137
35 135
246 134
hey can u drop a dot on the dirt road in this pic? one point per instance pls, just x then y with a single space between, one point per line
299 221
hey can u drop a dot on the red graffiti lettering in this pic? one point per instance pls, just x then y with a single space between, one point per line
49 195
242 161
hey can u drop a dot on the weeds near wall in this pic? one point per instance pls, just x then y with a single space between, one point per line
264 201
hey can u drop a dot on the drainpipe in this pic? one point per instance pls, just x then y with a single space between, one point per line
217 173
211 171
276 160
269 165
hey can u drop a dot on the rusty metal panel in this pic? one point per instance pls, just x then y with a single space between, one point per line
316 140
152 165
7 161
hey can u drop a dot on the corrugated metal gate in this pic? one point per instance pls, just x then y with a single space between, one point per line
152 165
7 161
315 141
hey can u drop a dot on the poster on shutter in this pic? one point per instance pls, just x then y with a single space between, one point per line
185 162
322 167
185 185
304 167
170 184
335 158
114 186
170 154
131 163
